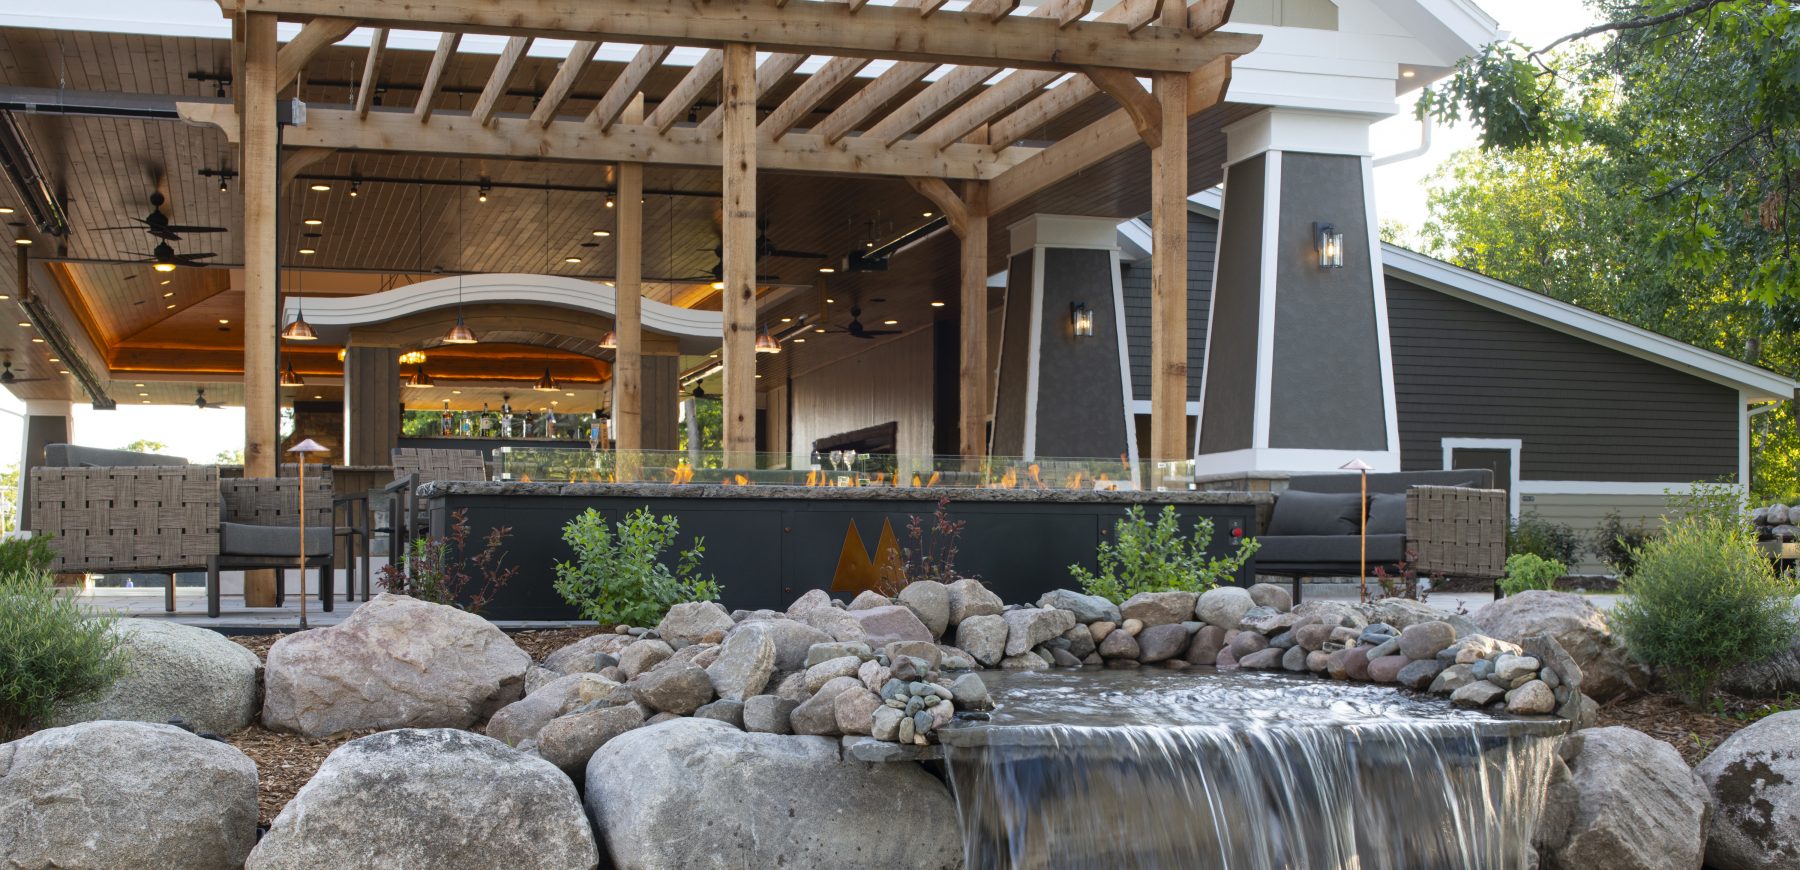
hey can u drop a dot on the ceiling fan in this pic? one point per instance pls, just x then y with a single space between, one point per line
855 329
765 247
200 399
164 258
157 224
9 377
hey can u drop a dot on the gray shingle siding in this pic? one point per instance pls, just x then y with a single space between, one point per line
1203 234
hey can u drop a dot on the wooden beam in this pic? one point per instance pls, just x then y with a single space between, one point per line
566 75
809 94
1100 140
626 86
1067 12
1047 107
628 284
873 95
365 94
1207 16
259 183
687 91
457 134
1169 266
1138 14
496 83
434 75
737 239
769 73
948 203
927 103
972 372
981 108
1145 110
301 160
318 33
984 34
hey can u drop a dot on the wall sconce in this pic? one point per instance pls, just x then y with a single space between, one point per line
1081 319
1331 246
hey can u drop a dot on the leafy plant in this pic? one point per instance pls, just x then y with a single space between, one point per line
1551 541
1530 571
932 553
1703 597
618 575
1402 580
1617 543
52 651
26 555
436 571
1147 556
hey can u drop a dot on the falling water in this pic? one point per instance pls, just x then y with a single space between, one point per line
1155 769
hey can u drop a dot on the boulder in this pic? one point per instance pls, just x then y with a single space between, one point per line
1293 659
1479 693
854 710
1424 640
583 656
125 796
1754 780
768 714
1451 678
695 793
884 625
1081 640
1263 660
867 599
1607 672
1223 606
983 638
1312 637
1247 642
1621 799
1772 677
1417 675
1271 595
811 600
396 662
792 639
1027 627
1532 699
430 799
1356 663
745 663
642 655
729 712
523 719
840 625
1402 612
818 715
1119 645
176 671
1386 669
823 672
676 687
1159 608
1332 613
568 741
1087 608
1205 646
691 621
824 652
1160 642
1027 661
929 600
969 597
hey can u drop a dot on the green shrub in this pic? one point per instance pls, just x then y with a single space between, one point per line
618 576
52 651
1530 571
1703 597
1540 537
26 555
1155 557
1617 543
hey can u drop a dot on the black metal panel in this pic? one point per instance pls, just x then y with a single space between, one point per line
767 552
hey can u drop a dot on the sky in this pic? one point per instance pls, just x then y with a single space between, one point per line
200 435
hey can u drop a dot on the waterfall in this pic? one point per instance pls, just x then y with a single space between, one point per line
1325 784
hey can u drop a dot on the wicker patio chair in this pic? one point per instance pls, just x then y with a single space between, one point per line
258 528
414 466
128 519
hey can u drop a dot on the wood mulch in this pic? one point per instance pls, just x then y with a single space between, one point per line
1693 733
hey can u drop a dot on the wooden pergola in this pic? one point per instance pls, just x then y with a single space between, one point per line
962 145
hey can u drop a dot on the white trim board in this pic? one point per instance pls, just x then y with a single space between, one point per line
1292 460
1604 487
1511 445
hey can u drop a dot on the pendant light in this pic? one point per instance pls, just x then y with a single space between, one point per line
460 333
546 384
299 330
766 343
610 341
419 379
291 378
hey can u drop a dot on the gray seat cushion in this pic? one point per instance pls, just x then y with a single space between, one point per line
243 539
1298 512
77 456
1327 549
1387 514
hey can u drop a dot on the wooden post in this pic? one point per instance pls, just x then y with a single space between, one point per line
738 238
1169 277
974 326
628 285
260 184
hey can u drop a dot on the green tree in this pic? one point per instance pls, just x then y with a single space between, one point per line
145 445
234 456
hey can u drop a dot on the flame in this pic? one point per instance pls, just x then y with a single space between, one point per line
934 479
915 478
737 480
681 474
1032 470
1009 480
881 478
1074 481
812 478
524 478
1105 483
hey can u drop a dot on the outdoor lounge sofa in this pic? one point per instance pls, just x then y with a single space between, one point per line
1453 523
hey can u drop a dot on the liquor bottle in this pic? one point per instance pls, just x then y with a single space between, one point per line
465 425
550 423
506 417
596 431
486 424
445 424
530 425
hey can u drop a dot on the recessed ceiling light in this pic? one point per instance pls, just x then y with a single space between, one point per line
168 294
64 371
224 320
313 222
924 214
308 251
318 397
6 209
1407 74
818 329
143 401
759 377
143 394
571 259
787 320
166 281
456 392
555 402
890 323
321 187
570 395
37 341
826 270
937 304
602 233
799 341
137 385
54 359
5 296
830 301
170 305
22 241
25 323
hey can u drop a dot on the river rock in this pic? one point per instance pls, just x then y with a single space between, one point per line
925 652
1312 637
854 710
824 652
1450 679
884 625
1262 660
113 795
1333 613
1029 626
1293 659
809 601
1620 799
728 712
1472 648
1554 661
677 688
820 674
694 793
1081 641
1271 595
868 599
818 715
791 638
1087 608
1772 677
970 597
971 693
1754 780
568 741
1247 642
396 662
1424 640
1223 606
839 624
176 671
1403 612
929 600
1204 648
1027 661
1386 669
430 799
1532 699
1417 675
983 638
1159 608
768 714
523 719
1356 663
1119 645
642 655
1477 694
1508 668
1607 672
745 664
691 621
1132 626
1160 642
583 656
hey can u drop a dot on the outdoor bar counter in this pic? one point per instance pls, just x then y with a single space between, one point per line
768 544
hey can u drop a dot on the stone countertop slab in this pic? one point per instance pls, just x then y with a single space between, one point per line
440 489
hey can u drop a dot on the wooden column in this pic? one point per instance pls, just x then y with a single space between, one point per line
974 326
738 237
1169 274
260 184
628 358
371 405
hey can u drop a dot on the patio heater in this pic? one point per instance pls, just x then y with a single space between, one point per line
1362 523
301 450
